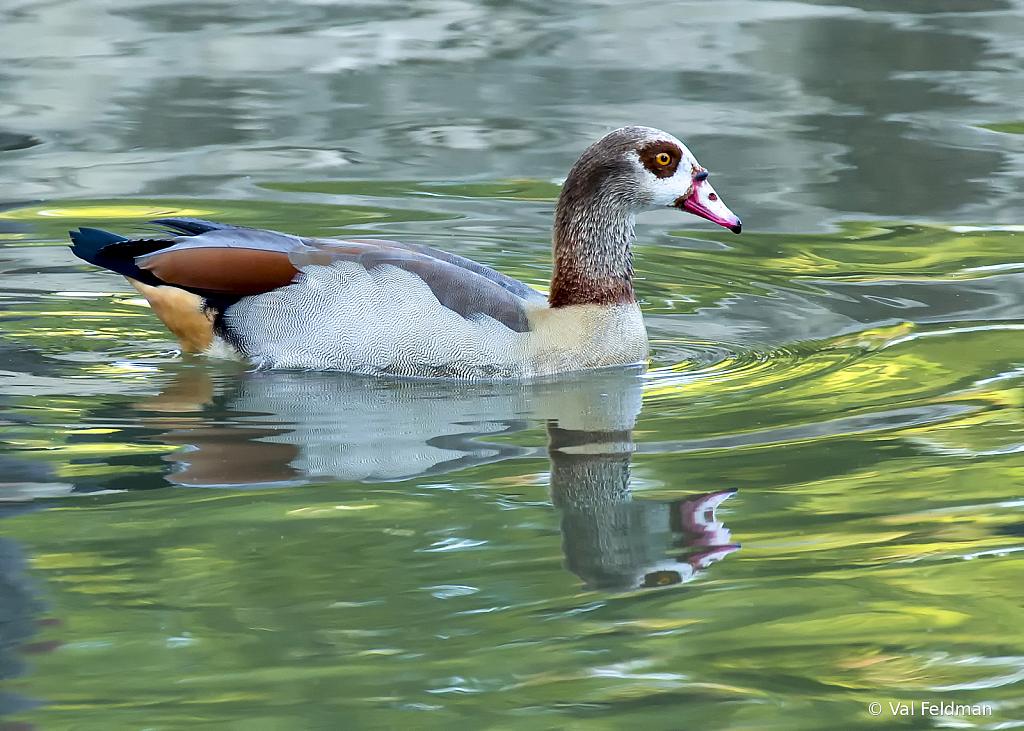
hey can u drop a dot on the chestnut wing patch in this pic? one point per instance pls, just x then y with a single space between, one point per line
222 270
228 261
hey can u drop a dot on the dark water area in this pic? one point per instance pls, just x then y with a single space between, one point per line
812 501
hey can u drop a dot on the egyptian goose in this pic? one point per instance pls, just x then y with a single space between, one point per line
381 307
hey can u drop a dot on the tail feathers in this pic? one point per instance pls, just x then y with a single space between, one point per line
87 242
114 252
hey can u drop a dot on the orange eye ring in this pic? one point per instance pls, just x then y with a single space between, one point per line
663 158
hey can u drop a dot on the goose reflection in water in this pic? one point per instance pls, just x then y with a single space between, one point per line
283 428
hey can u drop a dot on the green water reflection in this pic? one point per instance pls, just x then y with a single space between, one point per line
811 501
309 550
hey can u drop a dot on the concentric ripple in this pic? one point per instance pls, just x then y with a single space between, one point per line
721 369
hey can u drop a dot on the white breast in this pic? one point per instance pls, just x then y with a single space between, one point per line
585 336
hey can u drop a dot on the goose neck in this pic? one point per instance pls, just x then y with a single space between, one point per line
593 262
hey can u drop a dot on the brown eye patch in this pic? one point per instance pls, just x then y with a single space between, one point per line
661 158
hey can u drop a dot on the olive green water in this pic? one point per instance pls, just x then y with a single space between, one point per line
811 502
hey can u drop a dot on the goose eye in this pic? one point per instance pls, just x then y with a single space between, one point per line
663 158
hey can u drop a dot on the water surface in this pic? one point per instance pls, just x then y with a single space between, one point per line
810 502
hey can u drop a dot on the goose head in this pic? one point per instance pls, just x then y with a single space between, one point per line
627 171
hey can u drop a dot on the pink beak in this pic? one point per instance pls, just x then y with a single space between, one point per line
704 202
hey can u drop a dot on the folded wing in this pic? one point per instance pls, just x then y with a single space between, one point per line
223 261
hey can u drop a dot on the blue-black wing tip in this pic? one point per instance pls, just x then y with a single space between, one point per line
192 226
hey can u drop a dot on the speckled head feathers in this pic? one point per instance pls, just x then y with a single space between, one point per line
626 171
635 167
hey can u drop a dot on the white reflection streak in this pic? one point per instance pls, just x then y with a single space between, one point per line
451 544
950 331
998 681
